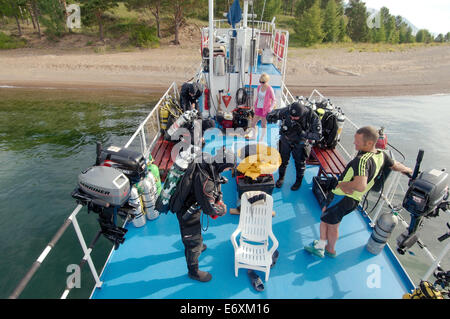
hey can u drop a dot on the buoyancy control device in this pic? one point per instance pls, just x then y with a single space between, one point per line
241 117
332 120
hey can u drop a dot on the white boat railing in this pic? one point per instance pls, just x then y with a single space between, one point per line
264 26
148 131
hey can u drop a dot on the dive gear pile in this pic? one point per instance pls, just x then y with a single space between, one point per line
332 119
425 291
241 117
169 112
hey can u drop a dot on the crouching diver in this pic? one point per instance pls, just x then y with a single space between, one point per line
189 95
200 190
299 124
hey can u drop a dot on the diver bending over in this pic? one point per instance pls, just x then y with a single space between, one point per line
200 190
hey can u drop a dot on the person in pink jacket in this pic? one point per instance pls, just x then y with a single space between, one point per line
264 103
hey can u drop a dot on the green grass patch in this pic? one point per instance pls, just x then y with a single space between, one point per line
10 42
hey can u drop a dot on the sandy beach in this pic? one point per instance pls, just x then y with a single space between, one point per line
334 71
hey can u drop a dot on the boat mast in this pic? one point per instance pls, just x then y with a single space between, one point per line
211 52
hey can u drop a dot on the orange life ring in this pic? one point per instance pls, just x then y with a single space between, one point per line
275 45
282 44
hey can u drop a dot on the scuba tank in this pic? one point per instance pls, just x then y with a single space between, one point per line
163 118
382 231
340 124
174 175
186 117
139 218
382 139
154 170
149 195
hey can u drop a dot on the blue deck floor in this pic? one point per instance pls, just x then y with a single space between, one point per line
151 263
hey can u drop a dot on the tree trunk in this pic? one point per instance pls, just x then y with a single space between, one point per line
36 17
30 10
98 14
157 14
178 17
158 28
18 25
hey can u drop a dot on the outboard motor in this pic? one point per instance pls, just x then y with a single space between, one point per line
129 162
427 194
105 191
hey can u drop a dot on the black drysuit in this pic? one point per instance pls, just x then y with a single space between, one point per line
205 195
186 99
294 135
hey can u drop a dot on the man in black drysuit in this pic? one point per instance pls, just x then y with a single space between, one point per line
189 95
299 124
200 190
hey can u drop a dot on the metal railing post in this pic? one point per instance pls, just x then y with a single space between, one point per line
436 262
86 251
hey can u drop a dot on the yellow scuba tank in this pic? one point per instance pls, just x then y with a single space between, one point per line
163 117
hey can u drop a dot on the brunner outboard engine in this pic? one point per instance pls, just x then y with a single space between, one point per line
143 183
428 193
104 190
108 189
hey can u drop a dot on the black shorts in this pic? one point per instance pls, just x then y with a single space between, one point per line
340 206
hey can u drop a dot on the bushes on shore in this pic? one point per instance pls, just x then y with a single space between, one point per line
10 42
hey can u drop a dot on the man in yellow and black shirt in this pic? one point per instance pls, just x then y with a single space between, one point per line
356 180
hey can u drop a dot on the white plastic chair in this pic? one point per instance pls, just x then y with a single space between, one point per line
255 229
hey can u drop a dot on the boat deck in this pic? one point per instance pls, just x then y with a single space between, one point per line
151 262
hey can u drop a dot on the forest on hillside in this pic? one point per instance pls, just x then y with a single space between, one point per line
145 22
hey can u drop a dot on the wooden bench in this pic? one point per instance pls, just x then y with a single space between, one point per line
329 160
162 158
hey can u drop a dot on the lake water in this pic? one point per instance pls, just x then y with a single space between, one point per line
47 136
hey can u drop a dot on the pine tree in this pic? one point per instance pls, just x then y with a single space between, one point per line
342 34
380 33
391 31
52 17
94 10
331 22
424 36
439 38
357 21
302 6
156 8
309 28
180 9
12 9
271 9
